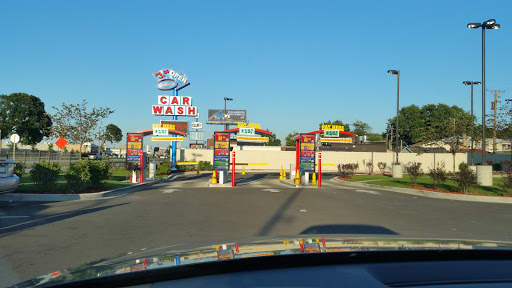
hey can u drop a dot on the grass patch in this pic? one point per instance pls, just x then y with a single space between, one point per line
427 182
118 180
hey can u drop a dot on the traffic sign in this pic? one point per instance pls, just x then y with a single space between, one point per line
15 138
61 142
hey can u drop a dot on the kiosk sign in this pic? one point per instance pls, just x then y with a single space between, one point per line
221 151
307 152
133 146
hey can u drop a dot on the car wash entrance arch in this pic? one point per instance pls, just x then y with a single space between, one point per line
222 159
306 148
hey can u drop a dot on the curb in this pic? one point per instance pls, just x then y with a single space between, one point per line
84 196
431 194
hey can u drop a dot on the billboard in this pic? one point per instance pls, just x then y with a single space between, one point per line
181 126
231 116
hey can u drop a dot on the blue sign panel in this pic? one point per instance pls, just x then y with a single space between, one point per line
307 168
307 159
220 167
177 259
132 158
221 158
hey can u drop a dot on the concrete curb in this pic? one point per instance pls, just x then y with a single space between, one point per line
84 196
431 194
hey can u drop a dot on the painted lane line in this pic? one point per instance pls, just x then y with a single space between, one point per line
368 191
170 190
303 210
7 217
272 190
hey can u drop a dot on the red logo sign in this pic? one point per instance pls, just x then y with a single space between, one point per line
307 154
134 137
136 152
61 142
221 136
221 152
307 138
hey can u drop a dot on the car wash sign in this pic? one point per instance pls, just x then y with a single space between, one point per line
174 106
169 79
307 152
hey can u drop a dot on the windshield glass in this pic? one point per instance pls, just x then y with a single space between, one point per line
174 132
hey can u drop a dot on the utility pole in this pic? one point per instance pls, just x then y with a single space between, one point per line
391 140
495 108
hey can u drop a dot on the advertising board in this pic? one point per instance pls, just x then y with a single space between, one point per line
336 140
218 116
307 153
221 151
181 126
133 146
252 139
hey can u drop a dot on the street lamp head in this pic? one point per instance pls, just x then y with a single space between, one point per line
466 82
495 26
394 72
474 25
228 99
489 22
477 83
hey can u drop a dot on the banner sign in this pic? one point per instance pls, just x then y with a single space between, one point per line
196 145
307 153
166 138
160 131
181 126
231 116
133 146
252 139
221 151
332 133
336 140
197 125
174 106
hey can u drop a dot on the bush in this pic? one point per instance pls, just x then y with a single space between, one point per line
496 167
382 167
83 174
368 166
507 183
438 175
20 169
414 171
204 165
131 166
506 165
163 169
45 175
347 170
465 178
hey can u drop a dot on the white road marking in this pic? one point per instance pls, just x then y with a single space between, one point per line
171 190
368 191
272 190
7 217
303 210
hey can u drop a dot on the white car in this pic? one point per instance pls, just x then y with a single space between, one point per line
8 180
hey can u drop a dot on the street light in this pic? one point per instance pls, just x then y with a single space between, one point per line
225 112
510 101
397 73
489 24
471 83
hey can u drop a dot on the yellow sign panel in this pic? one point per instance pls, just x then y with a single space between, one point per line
166 138
249 125
307 146
221 145
134 145
252 139
168 126
333 127
336 140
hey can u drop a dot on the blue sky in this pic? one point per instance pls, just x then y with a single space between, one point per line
290 64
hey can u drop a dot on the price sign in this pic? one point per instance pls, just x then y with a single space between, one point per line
331 133
221 151
307 152
246 131
160 131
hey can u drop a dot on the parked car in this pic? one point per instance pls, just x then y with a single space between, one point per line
94 156
8 180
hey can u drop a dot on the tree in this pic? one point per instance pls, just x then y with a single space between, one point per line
336 122
361 128
113 134
24 115
288 140
75 123
374 137
273 141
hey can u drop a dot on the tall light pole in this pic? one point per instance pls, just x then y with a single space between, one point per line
397 73
489 24
510 113
472 121
225 112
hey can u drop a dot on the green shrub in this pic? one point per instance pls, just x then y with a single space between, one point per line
204 165
414 171
83 174
438 175
496 167
347 170
20 169
45 175
163 169
465 178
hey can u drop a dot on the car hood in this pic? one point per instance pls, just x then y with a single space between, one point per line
190 254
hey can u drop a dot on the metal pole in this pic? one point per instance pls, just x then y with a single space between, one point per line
319 170
472 126
397 105
225 125
483 96
173 143
233 171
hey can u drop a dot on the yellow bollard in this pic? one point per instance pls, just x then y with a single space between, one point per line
243 170
281 173
313 181
297 178
284 174
214 177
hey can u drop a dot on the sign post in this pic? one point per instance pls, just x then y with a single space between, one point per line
14 139
233 171
319 169
221 150
307 153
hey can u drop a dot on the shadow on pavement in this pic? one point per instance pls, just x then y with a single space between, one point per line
14 225
279 213
348 229
188 178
